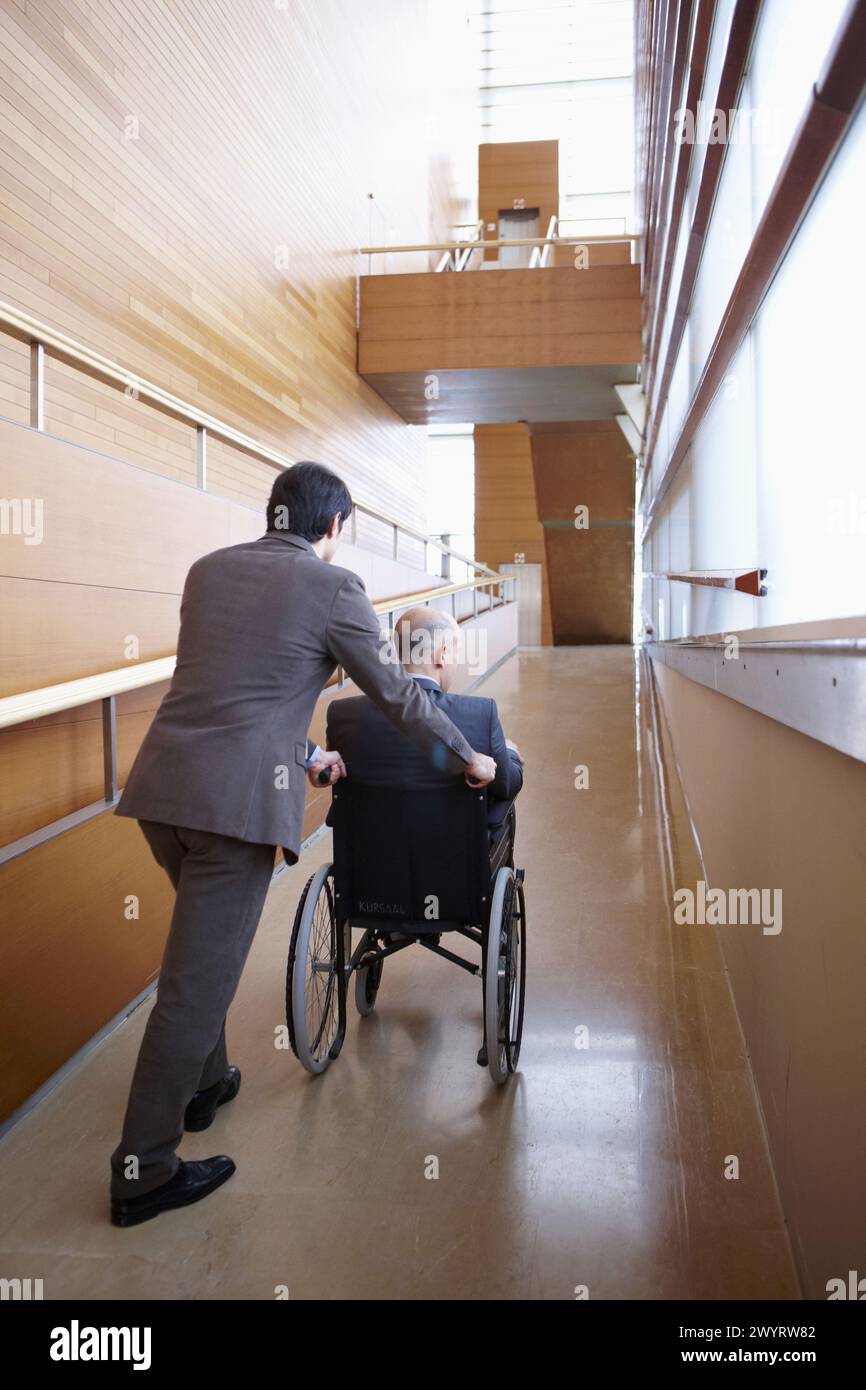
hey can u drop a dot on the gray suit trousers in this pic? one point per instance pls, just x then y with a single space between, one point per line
221 885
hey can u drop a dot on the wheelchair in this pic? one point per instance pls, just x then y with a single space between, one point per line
410 866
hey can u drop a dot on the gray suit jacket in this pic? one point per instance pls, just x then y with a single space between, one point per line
262 626
375 754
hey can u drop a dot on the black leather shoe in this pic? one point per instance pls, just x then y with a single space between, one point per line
191 1182
204 1104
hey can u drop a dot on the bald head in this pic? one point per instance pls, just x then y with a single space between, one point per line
428 642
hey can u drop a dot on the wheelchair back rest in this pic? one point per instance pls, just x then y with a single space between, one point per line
411 856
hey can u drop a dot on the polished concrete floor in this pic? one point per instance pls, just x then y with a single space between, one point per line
598 1167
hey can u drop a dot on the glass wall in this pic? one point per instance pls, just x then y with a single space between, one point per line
774 477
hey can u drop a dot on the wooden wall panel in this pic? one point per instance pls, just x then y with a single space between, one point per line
510 170
14 379
69 957
98 415
593 253
53 766
184 187
117 541
506 514
554 317
52 632
590 585
239 476
587 463
105 521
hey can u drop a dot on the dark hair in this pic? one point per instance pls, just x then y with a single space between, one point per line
305 499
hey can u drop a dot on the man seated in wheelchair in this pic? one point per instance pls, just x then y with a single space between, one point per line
428 640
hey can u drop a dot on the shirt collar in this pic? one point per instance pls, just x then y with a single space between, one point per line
432 680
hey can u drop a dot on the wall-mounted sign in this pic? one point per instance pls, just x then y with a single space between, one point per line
519 204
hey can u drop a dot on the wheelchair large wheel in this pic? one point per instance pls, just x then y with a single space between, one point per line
312 981
505 975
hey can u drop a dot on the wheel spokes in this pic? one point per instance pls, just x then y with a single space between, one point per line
320 990
508 993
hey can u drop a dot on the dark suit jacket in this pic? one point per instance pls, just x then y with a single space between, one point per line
262 626
375 754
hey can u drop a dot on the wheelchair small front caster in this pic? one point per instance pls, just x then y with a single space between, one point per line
367 981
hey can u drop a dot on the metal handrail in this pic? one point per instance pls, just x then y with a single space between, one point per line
53 699
541 255
505 241
390 605
43 337
743 581
457 260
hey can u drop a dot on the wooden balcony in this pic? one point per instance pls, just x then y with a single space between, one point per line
495 346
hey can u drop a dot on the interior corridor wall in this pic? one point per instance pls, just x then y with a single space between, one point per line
584 482
507 520
778 810
773 477
185 187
